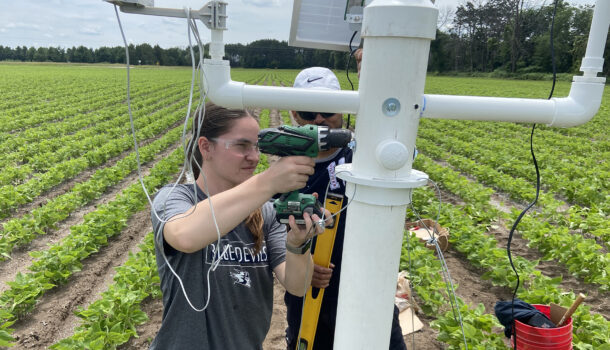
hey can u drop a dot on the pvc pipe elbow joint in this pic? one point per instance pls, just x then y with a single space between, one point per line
580 106
219 87
229 94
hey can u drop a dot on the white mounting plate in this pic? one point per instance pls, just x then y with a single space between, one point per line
415 179
321 24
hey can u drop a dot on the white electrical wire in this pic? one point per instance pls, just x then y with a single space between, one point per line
188 158
444 268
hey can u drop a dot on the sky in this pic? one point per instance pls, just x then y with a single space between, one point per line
93 23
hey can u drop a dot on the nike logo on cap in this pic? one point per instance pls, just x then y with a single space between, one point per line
309 80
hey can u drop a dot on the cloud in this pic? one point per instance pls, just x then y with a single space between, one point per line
173 21
21 25
262 3
90 30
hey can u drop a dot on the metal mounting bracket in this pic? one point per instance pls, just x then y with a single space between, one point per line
213 14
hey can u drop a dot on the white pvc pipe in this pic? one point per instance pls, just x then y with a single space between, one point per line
225 92
397 40
217 46
578 108
371 255
593 62
301 99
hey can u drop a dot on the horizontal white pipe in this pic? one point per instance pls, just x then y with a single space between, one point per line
301 99
579 107
225 92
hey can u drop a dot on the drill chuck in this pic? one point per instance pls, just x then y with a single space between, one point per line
333 138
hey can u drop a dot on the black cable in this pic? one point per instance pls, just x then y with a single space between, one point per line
349 59
553 51
512 230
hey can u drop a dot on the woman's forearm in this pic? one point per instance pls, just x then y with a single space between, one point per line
195 229
298 272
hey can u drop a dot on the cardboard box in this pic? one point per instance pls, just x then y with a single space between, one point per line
425 229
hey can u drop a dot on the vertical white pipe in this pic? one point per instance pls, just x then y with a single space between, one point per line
371 255
388 73
594 57
217 46
397 40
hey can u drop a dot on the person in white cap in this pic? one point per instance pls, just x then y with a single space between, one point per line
324 174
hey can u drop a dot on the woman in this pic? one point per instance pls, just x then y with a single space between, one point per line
252 247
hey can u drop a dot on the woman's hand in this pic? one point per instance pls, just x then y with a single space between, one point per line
298 234
289 173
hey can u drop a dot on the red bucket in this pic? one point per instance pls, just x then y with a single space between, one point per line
534 338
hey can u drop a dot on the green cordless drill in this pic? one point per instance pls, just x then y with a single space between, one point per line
306 140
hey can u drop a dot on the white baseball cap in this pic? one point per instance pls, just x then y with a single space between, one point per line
317 78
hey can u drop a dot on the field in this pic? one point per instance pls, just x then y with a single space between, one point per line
77 264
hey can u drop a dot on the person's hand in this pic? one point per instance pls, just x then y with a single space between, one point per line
289 173
358 57
298 234
321 276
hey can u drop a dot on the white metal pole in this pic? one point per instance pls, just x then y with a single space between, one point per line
397 40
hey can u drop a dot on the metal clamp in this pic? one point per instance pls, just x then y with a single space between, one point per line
216 15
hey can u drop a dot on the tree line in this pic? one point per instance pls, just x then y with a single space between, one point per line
268 53
511 36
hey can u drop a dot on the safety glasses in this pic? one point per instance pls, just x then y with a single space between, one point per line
312 115
242 147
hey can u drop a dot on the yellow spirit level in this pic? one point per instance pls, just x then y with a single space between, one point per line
321 256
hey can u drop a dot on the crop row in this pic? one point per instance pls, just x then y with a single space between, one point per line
519 189
468 224
553 144
112 319
73 106
20 231
286 119
32 140
92 95
587 262
263 119
12 197
55 265
423 271
249 76
52 82
585 182
74 145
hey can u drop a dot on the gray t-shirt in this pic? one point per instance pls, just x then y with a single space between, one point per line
241 289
